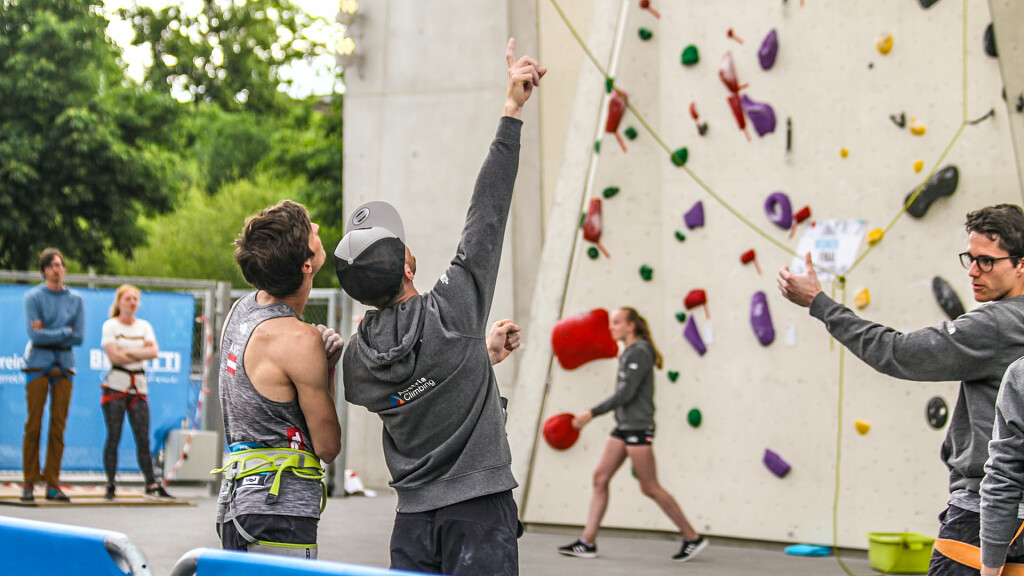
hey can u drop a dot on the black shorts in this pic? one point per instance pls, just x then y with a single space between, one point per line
634 437
289 530
475 537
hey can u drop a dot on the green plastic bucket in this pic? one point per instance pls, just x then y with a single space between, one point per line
900 552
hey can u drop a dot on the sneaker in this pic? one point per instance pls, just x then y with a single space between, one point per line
158 492
691 549
111 492
579 549
54 494
27 493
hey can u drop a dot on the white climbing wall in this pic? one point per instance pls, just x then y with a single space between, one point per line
839 92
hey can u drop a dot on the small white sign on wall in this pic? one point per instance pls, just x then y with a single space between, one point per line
833 245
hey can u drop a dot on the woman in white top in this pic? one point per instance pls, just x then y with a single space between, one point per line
128 342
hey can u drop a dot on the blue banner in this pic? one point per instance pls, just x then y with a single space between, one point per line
172 316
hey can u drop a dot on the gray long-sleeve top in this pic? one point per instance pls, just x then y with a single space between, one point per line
1003 486
633 400
975 348
423 367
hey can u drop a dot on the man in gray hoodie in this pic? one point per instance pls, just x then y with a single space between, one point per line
420 362
975 348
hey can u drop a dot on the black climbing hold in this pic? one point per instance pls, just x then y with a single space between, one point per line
943 183
947 298
900 120
990 41
789 134
1020 103
937 412
926 4
990 114
871 65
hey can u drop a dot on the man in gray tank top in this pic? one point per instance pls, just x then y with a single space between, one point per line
276 391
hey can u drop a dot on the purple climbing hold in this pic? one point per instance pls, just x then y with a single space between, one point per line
694 218
779 210
761 115
692 335
760 319
769 49
775 463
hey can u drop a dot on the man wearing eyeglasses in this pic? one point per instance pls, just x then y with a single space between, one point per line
975 348
55 321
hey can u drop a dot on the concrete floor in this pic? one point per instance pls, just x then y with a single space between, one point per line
356 530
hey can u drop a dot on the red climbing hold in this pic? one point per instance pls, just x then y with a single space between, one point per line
579 339
727 72
750 256
646 5
733 35
697 297
559 431
592 225
801 215
616 108
737 111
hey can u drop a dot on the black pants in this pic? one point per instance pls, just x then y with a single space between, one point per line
475 537
138 417
964 526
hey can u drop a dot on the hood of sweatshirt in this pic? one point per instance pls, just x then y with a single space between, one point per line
389 339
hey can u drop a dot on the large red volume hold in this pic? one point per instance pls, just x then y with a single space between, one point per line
559 432
579 339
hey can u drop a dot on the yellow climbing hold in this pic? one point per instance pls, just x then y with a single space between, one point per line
875 235
862 299
884 44
862 427
918 165
844 152
915 128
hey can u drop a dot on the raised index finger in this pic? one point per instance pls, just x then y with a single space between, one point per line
510 52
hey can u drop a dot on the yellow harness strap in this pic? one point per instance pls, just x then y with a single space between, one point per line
969 555
280 460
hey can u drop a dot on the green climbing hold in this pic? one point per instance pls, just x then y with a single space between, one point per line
610 191
681 316
633 472
690 55
645 34
694 418
583 218
673 375
631 133
609 83
646 272
680 156
597 146
593 253
680 236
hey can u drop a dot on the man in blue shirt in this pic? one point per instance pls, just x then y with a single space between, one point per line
55 321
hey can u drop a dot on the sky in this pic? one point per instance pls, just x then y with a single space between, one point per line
308 78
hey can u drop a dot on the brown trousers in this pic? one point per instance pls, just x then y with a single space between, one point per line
35 395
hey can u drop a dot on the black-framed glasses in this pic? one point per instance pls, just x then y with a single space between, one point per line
985 263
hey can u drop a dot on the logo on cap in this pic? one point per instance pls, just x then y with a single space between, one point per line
361 216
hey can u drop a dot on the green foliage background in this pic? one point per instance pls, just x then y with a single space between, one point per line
156 178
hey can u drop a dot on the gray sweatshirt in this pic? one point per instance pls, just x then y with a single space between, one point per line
1003 486
633 400
975 348
423 367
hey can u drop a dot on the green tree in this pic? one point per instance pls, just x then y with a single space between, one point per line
230 53
82 153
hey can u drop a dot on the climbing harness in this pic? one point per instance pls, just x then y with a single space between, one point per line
249 459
